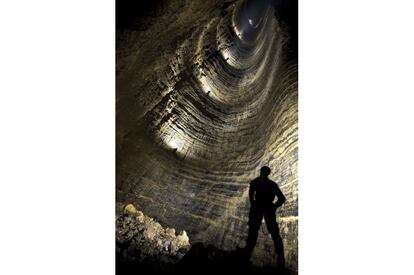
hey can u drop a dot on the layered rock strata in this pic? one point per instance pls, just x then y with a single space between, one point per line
206 95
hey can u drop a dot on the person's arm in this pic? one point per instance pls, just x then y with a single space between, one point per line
280 197
252 190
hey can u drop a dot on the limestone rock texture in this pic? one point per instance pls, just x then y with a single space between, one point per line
206 94
142 241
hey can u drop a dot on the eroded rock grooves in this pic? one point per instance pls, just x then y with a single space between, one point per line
206 95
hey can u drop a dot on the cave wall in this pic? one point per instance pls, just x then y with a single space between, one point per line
204 99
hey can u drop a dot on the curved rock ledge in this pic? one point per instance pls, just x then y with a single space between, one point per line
205 97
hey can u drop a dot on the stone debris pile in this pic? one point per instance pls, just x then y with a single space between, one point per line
141 239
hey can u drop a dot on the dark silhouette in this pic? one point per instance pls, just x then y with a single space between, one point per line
262 193
208 259
200 259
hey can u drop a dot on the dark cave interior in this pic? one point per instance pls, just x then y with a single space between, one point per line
206 94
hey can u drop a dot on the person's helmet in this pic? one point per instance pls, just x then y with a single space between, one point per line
265 171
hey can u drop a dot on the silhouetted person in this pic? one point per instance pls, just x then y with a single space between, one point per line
262 193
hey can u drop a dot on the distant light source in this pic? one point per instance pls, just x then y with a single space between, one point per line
173 140
250 22
238 32
226 56
205 85
176 143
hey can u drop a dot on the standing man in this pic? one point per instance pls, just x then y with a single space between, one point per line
262 193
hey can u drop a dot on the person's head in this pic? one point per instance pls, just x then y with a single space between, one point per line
264 171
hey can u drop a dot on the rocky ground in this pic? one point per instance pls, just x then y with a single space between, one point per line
144 247
143 242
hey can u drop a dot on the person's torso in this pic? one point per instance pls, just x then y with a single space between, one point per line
265 191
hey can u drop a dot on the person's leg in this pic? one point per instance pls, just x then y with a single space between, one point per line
255 220
273 228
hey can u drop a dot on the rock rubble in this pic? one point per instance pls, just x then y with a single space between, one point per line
142 240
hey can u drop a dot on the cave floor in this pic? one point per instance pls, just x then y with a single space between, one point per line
201 260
